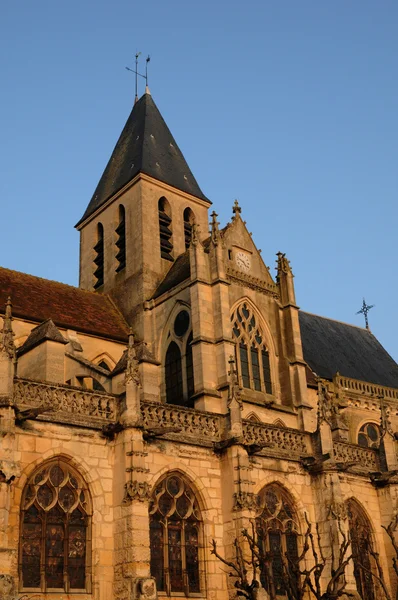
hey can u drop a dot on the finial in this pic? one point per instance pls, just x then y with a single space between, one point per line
364 310
234 387
137 74
236 209
132 373
282 265
214 231
7 335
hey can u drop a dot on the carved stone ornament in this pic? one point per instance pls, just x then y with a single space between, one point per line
7 588
245 501
137 490
132 372
282 265
195 234
146 588
7 335
214 230
9 470
235 391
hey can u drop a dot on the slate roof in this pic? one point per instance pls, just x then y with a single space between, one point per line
37 300
145 145
330 347
46 331
179 272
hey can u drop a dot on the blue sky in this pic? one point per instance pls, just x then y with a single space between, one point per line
289 106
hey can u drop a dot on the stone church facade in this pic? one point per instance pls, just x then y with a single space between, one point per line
175 396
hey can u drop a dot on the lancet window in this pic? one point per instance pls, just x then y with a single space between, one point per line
189 219
179 371
175 537
369 435
99 257
277 530
165 229
54 552
361 544
252 355
121 240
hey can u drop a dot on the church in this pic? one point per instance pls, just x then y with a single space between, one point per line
179 396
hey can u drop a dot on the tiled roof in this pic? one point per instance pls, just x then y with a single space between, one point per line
179 272
144 146
37 299
330 347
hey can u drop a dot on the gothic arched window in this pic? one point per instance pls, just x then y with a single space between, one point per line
369 435
179 371
165 229
277 530
99 257
121 240
361 540
54 553
189 220
251 353
175 535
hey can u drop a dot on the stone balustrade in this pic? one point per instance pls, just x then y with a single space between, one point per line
354 386
63 399
363 457
192 422
278 439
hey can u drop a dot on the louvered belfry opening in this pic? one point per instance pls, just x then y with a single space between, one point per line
99 257
121 240
165 230
189 219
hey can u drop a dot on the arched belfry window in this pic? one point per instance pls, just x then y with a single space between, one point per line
121 240
165 229
54 553
189 220
277 530
361 545
175 537
99 257
179 369
251 352
369 435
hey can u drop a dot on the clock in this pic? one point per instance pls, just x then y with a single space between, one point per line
243 261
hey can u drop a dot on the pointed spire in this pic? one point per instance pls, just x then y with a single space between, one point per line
236 209
214 230
147 90
7 335
132 373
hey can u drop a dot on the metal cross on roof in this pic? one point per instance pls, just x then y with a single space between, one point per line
147 60
364 310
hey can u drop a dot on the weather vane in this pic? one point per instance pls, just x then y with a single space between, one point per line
364 310
135 71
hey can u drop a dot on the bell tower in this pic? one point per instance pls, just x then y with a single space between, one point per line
140 217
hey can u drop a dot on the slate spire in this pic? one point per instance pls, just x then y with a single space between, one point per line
145 145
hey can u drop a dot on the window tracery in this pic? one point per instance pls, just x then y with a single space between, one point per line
369 436
175 534
361 541
55 530
278 530
252 355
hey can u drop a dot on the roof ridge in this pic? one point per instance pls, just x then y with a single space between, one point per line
337 321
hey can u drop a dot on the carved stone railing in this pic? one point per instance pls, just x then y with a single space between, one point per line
355 386
363 457
279 439
62 399
192 422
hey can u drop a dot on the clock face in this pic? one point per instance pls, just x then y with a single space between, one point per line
243 261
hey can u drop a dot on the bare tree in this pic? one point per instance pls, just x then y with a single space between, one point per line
255 566
392 532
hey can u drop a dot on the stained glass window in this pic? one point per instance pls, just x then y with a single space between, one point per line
55 532
175 530
252 355
361 540
278 531
369 436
